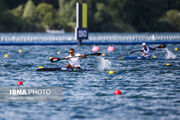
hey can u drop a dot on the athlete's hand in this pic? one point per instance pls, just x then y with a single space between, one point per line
83 56
67 58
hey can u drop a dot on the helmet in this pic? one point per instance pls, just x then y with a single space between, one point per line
143 44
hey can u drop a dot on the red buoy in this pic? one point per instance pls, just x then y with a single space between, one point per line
117 92
19 83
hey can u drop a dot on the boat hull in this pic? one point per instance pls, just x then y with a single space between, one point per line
140 58
63 69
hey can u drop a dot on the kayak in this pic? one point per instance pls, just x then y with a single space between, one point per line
64 69
140 58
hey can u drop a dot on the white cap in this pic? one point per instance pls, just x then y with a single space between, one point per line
144 44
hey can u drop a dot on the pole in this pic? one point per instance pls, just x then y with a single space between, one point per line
79 42
81 31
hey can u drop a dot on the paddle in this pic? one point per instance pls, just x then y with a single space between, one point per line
160 46
58 59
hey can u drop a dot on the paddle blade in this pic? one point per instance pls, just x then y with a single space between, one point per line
161 46
54 59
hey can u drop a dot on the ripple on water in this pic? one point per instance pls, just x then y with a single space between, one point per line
150 89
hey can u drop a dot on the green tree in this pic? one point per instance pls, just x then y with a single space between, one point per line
103 15
7 21
29 13
67 14
18 11
2 5
46 14
107 16
144 14
173 18
1 14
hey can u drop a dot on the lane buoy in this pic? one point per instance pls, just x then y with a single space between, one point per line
95 48
50 58
19 83
110 48
20 51
58 52
176 49
40 67
117 92
6 55
103 54
111 72
168 64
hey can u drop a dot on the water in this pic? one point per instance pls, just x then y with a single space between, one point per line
150 89
103 64
170 55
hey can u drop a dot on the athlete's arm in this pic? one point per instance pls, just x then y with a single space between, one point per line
67 58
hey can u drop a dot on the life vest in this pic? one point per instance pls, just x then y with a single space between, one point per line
146 52
74 61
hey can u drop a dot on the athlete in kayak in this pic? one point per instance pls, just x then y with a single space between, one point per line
74 59
145 50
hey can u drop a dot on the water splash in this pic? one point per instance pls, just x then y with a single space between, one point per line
103 64
169 54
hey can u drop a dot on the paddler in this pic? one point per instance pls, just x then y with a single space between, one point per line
145 50
73 59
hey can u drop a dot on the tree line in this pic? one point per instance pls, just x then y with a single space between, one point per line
103 15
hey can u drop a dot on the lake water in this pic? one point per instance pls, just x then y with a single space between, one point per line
150 89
